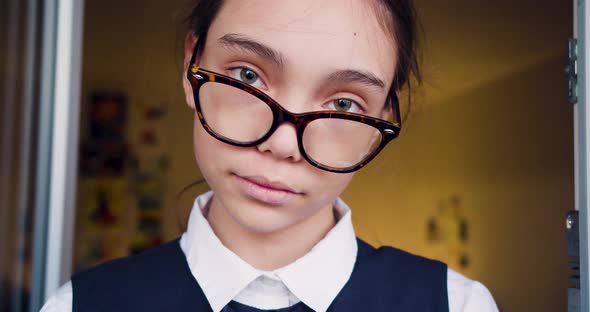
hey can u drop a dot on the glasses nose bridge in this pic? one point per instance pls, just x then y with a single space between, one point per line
283 115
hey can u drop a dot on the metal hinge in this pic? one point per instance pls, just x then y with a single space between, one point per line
571 70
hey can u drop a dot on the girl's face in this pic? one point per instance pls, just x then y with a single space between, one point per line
304 54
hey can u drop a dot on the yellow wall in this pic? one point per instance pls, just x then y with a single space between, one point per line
491 125
512 171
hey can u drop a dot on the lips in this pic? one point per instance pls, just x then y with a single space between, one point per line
266 191
262 181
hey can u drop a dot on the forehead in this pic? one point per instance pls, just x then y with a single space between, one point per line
313 34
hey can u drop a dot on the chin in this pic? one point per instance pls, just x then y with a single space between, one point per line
261 219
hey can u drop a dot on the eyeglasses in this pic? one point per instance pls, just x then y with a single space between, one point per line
238 114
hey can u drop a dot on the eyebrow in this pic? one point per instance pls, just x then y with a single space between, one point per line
243 42
351 75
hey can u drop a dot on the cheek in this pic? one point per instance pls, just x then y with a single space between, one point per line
198 142
207 150
326 186
213 156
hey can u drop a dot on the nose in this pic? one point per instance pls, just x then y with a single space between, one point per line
282 144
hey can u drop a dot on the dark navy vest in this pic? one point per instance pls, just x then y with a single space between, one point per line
384 279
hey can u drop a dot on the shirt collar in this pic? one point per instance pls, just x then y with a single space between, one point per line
316 278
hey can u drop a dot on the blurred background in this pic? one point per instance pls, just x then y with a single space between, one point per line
481 177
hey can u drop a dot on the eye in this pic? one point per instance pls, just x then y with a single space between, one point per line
346 105
246 75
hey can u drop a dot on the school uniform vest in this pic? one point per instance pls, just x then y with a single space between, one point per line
384 279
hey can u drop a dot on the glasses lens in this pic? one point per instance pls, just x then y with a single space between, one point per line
340 143
234 113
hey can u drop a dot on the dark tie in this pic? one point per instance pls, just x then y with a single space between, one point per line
234 306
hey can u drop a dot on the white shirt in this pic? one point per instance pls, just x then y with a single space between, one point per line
316 278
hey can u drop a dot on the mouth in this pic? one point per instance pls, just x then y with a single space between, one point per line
265 190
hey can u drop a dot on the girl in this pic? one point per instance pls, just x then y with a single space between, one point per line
290 98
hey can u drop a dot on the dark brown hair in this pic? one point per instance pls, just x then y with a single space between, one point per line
400 20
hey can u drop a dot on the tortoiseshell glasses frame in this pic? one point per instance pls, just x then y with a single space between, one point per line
198 77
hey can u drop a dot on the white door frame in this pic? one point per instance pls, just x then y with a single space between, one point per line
57 158
64 156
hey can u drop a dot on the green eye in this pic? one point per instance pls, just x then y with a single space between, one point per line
343 105
248 76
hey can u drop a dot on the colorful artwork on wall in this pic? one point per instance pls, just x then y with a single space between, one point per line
447 231
148 175
103 201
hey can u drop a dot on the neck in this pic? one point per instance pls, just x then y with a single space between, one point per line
269 250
